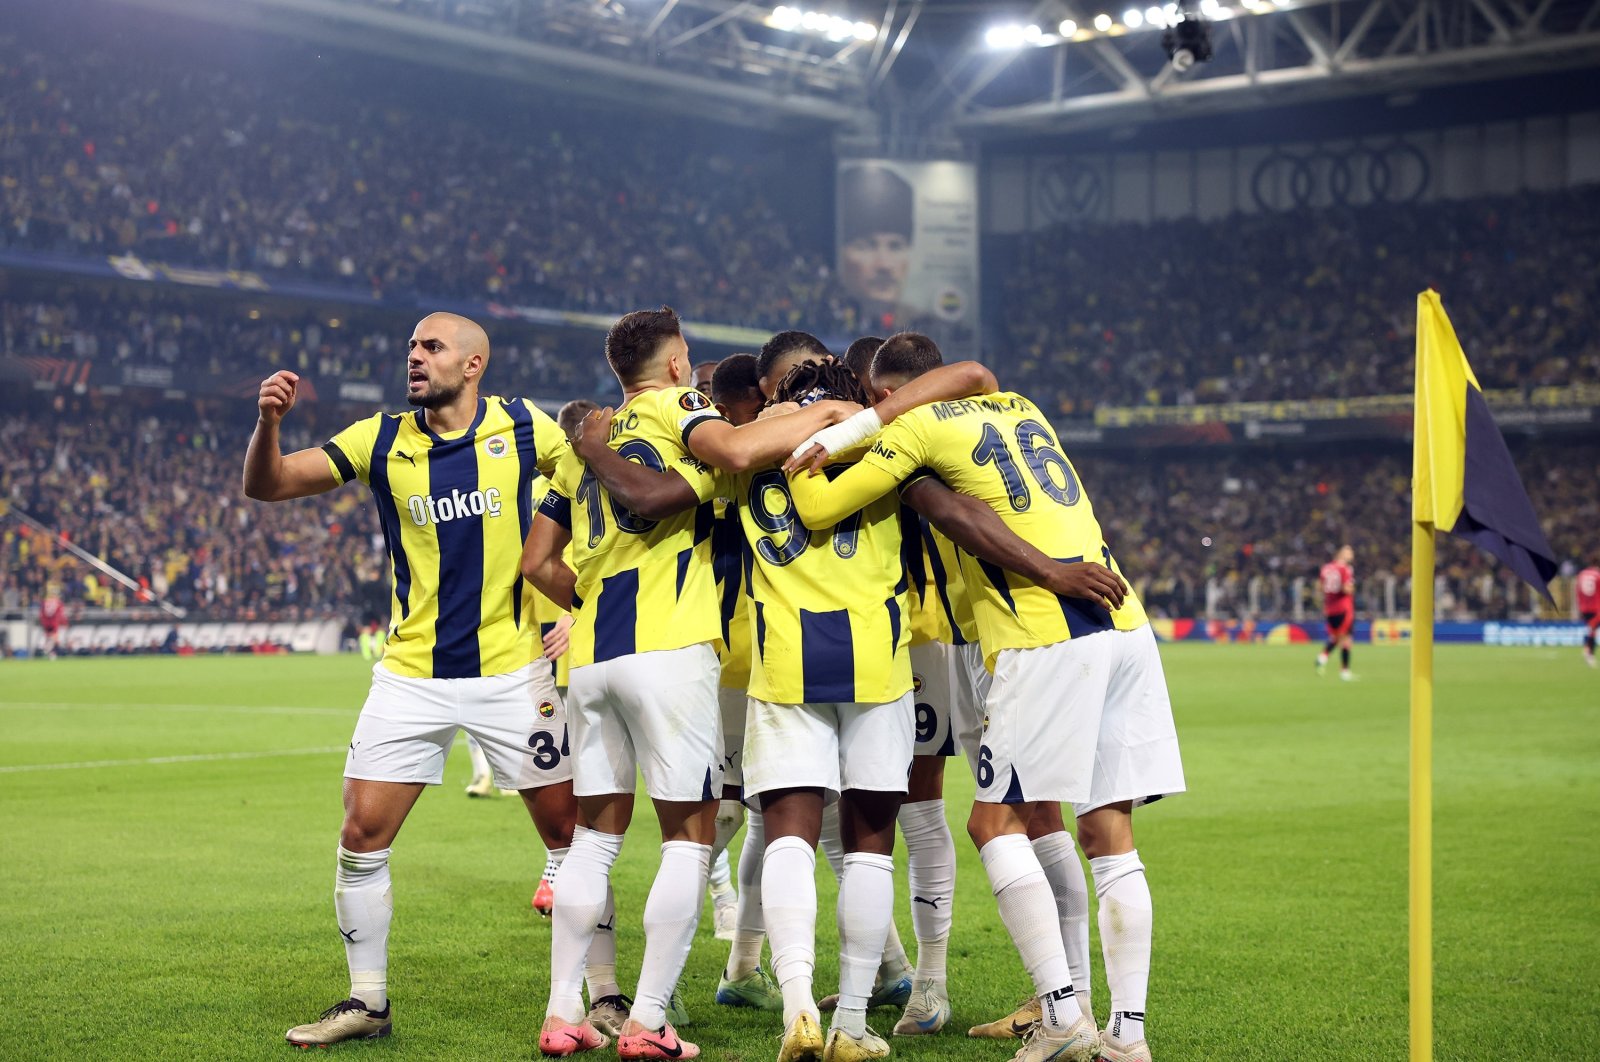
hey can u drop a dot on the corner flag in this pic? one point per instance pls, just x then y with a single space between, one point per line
1464 482
1464 479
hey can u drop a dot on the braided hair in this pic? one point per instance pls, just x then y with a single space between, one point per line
812 381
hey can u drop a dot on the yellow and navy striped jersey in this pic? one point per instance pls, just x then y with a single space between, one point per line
455 510
937 595
643 585
828 608
728 561
546 612
1001 450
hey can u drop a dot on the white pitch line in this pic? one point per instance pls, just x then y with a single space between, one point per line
238 709
205 757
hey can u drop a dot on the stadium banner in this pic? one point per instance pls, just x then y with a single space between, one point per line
25 638
1539 406
907 239
1538 633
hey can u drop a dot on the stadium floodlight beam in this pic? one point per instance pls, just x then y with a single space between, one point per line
1102 22
834 27
1068 27
1156 17
1006 35
1133 18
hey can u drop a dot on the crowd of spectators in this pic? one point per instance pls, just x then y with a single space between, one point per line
1227 519
153 492
1311 305
209 342
334 176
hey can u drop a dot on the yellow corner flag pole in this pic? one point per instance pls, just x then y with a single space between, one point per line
1421 792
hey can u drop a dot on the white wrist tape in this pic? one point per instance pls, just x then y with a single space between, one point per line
845 434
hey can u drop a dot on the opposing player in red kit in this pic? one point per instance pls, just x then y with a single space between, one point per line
1589 609
1339 606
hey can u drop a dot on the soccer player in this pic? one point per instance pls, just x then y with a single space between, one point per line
1078 711
451 481
858 359
1339 609
783 564
734 390
52 621
644 667
554 625
1588 585
892 986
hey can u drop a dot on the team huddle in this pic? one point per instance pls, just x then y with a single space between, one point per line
794 594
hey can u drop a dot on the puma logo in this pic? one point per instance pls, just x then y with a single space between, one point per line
408 457
933 903
349 937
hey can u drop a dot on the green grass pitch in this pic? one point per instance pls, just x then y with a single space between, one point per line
164 902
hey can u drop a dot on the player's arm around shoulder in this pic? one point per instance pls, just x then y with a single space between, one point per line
644 491
763 442
270 475
947 383
975 527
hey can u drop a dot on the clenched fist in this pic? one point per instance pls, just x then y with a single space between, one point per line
277 395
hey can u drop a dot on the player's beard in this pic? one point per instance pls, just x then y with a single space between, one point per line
436 395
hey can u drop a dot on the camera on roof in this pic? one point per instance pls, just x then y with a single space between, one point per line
1187 40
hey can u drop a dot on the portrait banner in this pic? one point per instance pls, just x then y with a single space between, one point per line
907 238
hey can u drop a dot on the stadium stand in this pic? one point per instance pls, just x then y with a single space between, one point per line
1316 304
107 155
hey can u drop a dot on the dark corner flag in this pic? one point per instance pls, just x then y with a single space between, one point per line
1463 482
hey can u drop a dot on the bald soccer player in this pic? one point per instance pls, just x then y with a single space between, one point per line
452 481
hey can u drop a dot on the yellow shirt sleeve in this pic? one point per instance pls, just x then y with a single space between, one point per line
896 454
549 441
822 502
350 451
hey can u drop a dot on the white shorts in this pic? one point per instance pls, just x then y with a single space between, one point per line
950 684
833 747
1085 721
406 727
734 703
653 712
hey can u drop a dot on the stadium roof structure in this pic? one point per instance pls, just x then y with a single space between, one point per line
904 72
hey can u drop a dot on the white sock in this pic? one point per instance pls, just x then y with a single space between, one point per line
580 906
931 854
789 904
1028 909
831 841
745 955
1126 920
600 965
670 916
866 907
720 878
480 762
364 905
1058 855
553 858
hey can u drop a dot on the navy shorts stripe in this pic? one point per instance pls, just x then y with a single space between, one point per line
453 473
827 657
389 513
616 616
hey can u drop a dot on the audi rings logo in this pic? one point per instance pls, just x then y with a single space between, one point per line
1396 172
